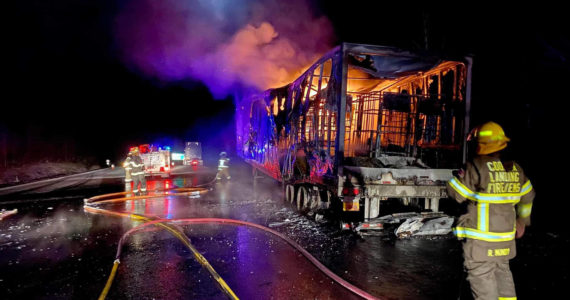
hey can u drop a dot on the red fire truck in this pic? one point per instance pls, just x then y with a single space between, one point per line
156 160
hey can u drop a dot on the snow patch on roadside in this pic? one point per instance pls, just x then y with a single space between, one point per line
32 172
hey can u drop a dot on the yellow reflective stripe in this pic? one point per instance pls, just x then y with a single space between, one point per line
484 197
526 188
524 210
483 217
507 298
498 198
487 217
486 133
461 189
475 234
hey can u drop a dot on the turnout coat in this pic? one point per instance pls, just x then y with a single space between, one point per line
497 193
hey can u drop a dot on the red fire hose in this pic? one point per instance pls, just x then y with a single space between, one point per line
165 224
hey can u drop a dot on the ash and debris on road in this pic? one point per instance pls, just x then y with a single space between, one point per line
321 236
54 248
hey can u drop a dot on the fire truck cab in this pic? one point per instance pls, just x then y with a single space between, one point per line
156 160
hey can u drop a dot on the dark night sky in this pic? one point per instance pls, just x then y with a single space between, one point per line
67 87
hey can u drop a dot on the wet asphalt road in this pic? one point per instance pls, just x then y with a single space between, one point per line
54 250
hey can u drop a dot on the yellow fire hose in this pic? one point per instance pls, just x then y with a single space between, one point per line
178 234
174 231
110 280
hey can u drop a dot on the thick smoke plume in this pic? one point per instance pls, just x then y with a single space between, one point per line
227 44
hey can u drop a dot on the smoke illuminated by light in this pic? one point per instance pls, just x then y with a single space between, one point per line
227 44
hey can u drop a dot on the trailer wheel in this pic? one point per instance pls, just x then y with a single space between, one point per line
315 199
303 199
323 200
290 193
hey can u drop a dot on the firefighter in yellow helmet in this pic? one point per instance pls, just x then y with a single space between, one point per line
499 200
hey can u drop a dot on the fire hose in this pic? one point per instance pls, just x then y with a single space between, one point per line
185 240
175 231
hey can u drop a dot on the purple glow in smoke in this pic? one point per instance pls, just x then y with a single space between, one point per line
224 43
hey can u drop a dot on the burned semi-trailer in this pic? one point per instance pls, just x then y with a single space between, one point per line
361 125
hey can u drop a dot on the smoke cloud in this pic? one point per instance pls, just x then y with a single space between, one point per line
227 44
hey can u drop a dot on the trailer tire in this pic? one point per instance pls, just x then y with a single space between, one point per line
315 199
290 193
303 199
323 200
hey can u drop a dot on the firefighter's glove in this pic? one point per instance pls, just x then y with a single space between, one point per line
520 228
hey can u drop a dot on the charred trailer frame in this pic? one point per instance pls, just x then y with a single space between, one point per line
362 124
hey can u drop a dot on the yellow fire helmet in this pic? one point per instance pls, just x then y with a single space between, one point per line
490 138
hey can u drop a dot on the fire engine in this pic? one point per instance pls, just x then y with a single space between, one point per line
156 160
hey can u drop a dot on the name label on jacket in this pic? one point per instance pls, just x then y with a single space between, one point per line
498 252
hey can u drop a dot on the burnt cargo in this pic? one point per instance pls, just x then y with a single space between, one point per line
361 125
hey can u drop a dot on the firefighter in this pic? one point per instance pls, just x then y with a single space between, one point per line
223 167
128 168
137 172
499 200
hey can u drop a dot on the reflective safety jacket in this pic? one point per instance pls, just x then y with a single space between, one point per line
498 193
128 168
137 165
223 163
127 164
